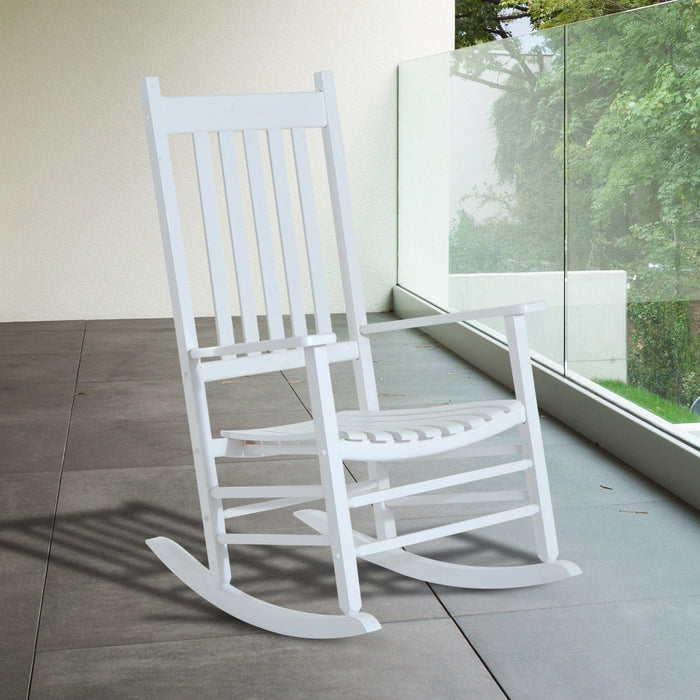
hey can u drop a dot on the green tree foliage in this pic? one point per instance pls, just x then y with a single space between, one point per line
528 121
633 170
477 21
663 354
633 149
620 128
553 13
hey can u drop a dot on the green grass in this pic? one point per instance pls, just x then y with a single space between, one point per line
661 407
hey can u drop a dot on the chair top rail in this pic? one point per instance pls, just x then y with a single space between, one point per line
242 112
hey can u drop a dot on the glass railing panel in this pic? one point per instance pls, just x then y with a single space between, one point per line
565 166
632 183
424 177
506 181
481 180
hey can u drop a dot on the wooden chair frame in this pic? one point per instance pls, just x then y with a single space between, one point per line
367 434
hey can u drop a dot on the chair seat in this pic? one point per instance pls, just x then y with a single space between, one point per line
367 434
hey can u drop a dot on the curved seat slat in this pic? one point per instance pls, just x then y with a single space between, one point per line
393 426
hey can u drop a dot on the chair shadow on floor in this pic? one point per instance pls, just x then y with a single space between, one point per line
110 545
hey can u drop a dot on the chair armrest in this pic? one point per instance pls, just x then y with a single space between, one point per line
300 341
453 317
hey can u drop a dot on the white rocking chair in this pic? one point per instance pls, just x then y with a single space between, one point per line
367 434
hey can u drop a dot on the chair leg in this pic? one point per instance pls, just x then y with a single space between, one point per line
384 521
211 508
538 490
333 480
531 438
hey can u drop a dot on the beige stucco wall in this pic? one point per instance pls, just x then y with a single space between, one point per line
78 223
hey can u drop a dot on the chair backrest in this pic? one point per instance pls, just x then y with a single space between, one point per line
258 140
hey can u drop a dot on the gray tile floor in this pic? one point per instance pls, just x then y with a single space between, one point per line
95 459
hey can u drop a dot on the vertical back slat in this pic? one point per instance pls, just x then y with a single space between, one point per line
311 231
256 180
278 165
239 243
212 232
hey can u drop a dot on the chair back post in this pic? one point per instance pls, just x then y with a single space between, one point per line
346 242
531 436
185 330
168 214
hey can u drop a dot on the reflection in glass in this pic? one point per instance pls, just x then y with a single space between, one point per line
506 179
